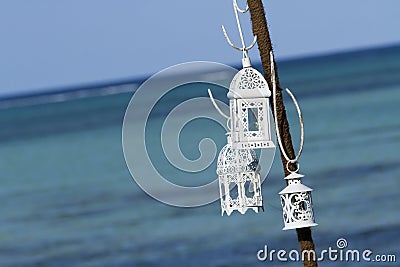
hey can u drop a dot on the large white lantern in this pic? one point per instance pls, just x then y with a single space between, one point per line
297 203
239 180
249 109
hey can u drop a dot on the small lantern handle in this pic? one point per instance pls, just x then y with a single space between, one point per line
228 119
276 123
216 106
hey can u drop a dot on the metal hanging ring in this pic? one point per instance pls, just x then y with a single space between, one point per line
288 168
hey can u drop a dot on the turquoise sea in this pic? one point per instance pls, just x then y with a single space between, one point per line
67 197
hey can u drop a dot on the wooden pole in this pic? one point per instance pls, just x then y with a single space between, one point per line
260 29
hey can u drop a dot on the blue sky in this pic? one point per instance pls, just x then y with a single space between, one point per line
48 44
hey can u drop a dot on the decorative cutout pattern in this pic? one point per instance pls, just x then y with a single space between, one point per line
251 79
245 109
297 207
232 161
239 180
297 204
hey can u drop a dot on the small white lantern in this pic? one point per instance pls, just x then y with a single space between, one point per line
297 203
249 109
239 180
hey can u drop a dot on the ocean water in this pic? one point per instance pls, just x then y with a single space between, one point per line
67 197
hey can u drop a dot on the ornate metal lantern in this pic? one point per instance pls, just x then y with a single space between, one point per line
249 109
297 203
239 179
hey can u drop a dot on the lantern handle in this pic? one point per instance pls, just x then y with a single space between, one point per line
276 116
244 49
216 106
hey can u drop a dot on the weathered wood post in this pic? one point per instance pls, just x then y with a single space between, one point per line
260 29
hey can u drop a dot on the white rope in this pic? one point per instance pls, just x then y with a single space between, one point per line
276 117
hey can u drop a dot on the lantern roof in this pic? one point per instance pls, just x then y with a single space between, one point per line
236 160
248 83
294 175
295 188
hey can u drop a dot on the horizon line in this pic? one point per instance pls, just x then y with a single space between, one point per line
36 92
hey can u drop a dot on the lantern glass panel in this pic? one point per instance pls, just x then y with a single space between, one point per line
233 190
252 118
249 189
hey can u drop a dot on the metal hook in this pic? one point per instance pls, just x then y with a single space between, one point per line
276 117
244 49
216 106
238 8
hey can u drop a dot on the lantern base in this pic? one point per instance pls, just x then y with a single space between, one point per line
228 212
253 145
298 225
